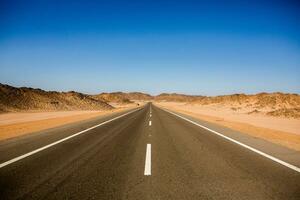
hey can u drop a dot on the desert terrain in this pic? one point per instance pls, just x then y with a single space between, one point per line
83 138
273 117
17 124
26 110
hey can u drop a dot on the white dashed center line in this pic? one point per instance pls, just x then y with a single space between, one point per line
147 171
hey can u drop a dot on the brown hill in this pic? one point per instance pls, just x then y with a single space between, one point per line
138 96
177 97
121 97
272 104
262 100
259 101
115 97
17 99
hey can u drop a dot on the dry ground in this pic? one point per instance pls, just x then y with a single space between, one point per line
17 124
279 130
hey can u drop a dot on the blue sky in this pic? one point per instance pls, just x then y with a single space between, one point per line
192 47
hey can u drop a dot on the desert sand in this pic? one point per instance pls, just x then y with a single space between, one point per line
271 116
17 124
280 130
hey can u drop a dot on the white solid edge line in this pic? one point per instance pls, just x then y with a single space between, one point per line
293 167
150 123
147 171
60 141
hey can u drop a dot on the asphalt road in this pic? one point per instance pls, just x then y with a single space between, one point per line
133 158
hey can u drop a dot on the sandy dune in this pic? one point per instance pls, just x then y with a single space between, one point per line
280 130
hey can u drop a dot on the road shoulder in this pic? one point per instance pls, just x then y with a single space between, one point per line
19 124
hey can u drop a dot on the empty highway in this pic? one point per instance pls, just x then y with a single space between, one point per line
144 153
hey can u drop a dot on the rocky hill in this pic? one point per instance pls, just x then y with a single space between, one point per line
177 97
261 100
272 104
114 97
139 96
19 99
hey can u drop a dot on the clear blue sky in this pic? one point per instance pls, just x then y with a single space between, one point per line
193 47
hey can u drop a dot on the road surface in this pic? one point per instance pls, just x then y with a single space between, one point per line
147 153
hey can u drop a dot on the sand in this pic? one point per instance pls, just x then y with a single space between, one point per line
279 130
17 124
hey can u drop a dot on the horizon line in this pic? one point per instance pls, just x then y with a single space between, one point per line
148 93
